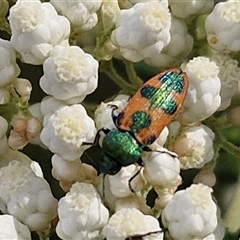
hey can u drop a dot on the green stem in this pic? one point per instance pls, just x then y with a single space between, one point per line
220 122
103 36
16 106
107 67
231 148
135 80
100 28
44 235
7 111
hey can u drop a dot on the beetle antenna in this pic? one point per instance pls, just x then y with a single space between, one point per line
114 117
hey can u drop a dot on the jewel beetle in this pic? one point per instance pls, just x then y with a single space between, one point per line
139 124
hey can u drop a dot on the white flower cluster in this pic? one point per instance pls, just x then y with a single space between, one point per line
66 129
229 75
36 29
80 13
82 214
128 222
9 70
26 197
224 18
69 74
154 20
3 137
191 8
194 146
203 91
76 40
175 52
198 209
11 228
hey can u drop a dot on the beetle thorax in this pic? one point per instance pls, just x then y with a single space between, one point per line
122 147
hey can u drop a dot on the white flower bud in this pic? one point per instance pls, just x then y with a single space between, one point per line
135 201
105 191
162 201
9 69
80 13
176 51
23 87
120 183
4 147
229 74
191 214
161 167
38 120
66 129
49 105
129 3
129 222
110 10
26 196
17 140
4 96
89 170
33 128
151 19
36 169
224 19
81 214
103 113
194 146
19 124
190 8
36 112
23 131
11 228
219 231
203 91
36 29
72 171
206 176
160 141
8 155
3 127
69 74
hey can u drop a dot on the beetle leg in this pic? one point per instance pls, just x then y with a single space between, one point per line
141 236
96 139
147 149
172 154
